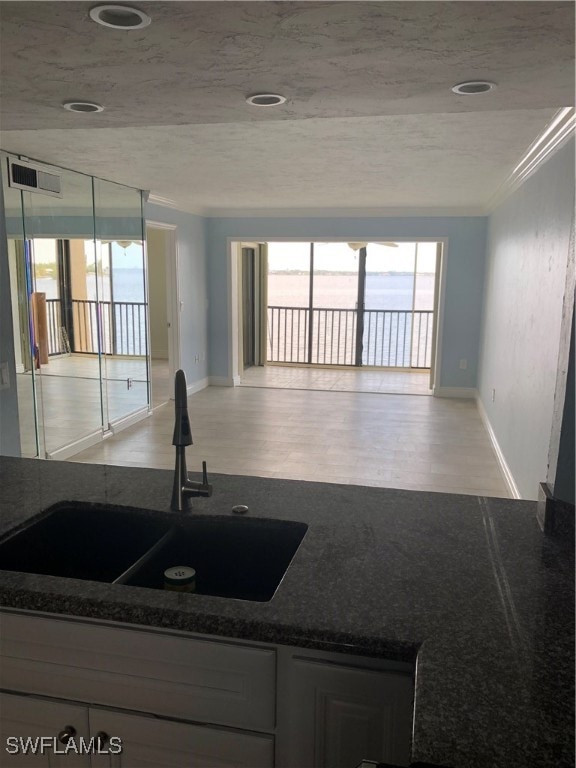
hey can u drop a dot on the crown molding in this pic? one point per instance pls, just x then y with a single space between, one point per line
348 213
166 202
554 135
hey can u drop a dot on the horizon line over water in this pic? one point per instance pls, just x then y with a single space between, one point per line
340 291
393 291
338 272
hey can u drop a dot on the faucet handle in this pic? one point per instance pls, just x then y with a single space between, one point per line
205 487
194 488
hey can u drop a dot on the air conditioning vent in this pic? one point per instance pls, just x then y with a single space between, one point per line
23 175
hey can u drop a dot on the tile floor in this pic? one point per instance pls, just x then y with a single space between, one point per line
363 438
337 379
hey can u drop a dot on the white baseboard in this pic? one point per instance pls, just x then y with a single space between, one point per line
224 381
61 454
128 421
191 389
508 476
468 392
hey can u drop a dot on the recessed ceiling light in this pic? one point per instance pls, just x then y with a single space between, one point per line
472 87
266 99
82 106
120 17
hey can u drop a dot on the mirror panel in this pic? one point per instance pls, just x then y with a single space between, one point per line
59 234
124 305
79 310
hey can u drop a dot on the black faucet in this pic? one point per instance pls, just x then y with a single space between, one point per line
184 488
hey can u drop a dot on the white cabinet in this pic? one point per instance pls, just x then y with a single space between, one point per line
24 719
169 674
34 731
148 742
337 714
178 700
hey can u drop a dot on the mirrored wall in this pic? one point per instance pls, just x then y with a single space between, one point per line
79 309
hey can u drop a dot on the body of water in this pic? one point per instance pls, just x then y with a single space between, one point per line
341 291
128 286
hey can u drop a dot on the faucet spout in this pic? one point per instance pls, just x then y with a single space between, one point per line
182 432
183 489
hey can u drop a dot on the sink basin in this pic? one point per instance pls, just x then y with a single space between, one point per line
235 557
82 541
241 558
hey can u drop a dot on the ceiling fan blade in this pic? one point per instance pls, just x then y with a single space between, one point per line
357 246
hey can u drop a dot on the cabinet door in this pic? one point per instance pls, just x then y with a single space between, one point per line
337 716
25 719
149 742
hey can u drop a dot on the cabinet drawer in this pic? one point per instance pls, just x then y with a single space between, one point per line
184 677
151 743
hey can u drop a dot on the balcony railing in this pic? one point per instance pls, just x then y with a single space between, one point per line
120 325
390 338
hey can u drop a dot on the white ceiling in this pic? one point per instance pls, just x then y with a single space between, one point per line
370 120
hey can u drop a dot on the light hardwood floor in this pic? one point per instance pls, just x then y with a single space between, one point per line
338 379
401 441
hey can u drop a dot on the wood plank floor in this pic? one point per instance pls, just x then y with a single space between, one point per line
363 438
68 396
338 379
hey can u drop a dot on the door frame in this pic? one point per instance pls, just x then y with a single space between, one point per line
173 302
248 255
234 245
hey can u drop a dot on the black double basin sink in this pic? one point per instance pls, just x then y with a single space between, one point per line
242 558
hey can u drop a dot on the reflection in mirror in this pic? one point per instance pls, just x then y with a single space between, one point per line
122 287
20 278
79 310
69 401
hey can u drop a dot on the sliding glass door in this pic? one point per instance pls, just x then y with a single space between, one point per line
334 291
356 304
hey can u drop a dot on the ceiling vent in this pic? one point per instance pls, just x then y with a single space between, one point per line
23 175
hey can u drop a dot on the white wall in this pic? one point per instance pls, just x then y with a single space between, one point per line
527 255
156 251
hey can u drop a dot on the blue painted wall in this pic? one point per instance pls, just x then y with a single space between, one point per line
464 279
193 286
527 255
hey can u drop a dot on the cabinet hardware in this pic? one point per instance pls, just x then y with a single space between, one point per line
66 734
101 739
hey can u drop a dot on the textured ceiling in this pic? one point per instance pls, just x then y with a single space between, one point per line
370 120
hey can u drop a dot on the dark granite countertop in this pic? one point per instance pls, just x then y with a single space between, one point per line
467 587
